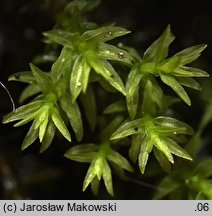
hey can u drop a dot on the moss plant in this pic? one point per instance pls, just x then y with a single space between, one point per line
64 98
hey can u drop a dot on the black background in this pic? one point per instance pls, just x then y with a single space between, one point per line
50 175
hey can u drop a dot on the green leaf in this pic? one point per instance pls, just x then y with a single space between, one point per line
79 77
173 123
105 69
132 90
163 161
43 79
134 150
189 82
26 119
170 64
59 123
48 137
170 130
118 159
129 128
176 149
29 91
63 63
43 121
89 104
146 148
23 111
60 37
111 52
161 145
172 82
82 152
190 54
148 103
104 34
184 71
159 49
95 169
31 136
25 76
118 106
73 112
107 177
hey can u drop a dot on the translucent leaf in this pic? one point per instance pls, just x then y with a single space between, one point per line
29 91
163 161
129 128
107 177
60 37
79 77
23 111
159 49
176 149
95 169
190 54
105 69
118 159
73 112
26 119
189 82
90 175
132 90
161 145
82 152
134 150
43 124
173 123
170 64
25 76
172 82
104 34
115 107
31 136
156 93
170 130
59 123
148 103
111 52
63 63
146 148
89 104
43 79
184 71
48 137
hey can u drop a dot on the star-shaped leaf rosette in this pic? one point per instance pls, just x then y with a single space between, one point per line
171 70
153 132
100 156
90 52
45 110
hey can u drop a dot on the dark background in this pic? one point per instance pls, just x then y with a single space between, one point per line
50 176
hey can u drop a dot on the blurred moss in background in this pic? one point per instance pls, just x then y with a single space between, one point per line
30 175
